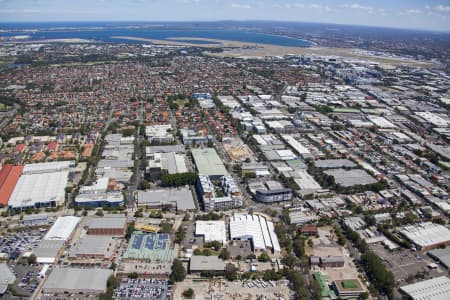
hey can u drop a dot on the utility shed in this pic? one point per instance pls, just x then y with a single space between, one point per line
76 280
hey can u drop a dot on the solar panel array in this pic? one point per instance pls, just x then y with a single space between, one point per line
149 246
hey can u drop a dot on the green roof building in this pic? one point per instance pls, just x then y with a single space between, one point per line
208 162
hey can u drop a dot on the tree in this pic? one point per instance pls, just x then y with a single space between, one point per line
224 254
113 282
130 230
180 179
180 235
178 271
166 227
263 257
230 272
144 185
99 212
289 260
206 252
382 279
215 245
31 259
133 275
272 275
189 293
299 246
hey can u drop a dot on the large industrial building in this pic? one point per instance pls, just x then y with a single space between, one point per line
63 228
111 225
441 255
39 185
181 199
270 191
256 229
208 162
9 175
165 163
93 247
427 236
211 231
48 250
432 289
50 247
150 247
200 263
98 195
76 281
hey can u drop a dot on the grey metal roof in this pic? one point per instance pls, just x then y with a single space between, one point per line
443 255
75 279
352 177
110 221
35 217
181 197
334 163
92 245
165 149
206 263
48 248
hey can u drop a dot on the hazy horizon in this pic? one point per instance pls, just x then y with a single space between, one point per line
417 15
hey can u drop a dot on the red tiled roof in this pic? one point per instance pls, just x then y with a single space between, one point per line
9 183
52 145
4 173
20 147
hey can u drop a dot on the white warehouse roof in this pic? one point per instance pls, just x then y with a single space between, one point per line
256 228
211 230
47 167
63 228
426 234
433 289
39 188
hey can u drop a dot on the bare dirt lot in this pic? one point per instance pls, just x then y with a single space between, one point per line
225 290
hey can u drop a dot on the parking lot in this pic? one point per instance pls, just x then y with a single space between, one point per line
190 239
14 244
143 288
27 280
405 263
240 248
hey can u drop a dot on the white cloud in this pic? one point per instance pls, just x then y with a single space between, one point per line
413 11
239 5
359 7
443 8
303 5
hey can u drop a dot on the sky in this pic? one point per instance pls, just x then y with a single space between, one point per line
414 14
